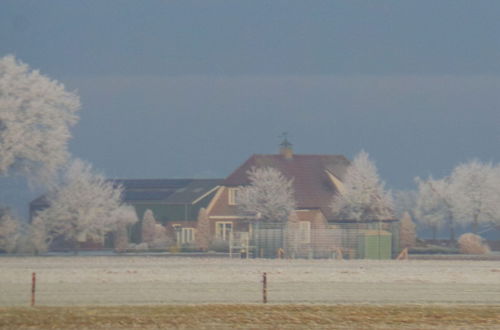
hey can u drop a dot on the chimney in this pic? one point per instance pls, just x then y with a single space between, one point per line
286 148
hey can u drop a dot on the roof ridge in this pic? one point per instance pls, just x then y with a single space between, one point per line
156 179
309 155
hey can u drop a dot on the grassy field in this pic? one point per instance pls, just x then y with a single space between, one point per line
114 281
252 317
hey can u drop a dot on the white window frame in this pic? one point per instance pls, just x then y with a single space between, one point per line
177 232
305 232
187 235
231 196
223 233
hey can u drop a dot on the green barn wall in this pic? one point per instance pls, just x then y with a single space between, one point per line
373 245
165 213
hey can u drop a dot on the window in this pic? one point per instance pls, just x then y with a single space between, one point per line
305 232
223 230
177 231
187 235
232 194
183 235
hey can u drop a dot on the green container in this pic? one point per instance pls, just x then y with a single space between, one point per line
375 244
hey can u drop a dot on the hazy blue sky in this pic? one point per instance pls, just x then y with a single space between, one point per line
193 88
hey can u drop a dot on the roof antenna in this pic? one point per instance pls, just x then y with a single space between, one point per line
286 147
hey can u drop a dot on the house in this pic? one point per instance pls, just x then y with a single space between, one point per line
316 179
175 203
313 231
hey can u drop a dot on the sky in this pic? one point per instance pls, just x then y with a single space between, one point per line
176 89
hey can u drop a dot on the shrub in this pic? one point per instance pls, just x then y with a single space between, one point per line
219 246
472 244
432 249
161 239
190 248
138 247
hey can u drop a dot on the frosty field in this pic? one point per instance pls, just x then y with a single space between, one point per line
80 280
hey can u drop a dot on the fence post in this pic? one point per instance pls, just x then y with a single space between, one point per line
403 255
280 253
264 288
338 254
33 286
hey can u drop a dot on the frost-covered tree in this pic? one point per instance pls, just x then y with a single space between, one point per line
364 196
269 196
9 233
37 236
84 207
407 232
161 239
472 244
121 240
203 237
35 116
404 202
148 227
436 204
126 217
477 193
154 234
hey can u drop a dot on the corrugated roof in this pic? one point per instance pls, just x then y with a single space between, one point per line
153 183
169 191
313 188
194 190
144 195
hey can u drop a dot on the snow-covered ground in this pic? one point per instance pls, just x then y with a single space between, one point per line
157 280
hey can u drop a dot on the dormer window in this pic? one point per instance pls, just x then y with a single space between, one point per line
232 195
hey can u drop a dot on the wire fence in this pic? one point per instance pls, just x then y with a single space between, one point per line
65 281
374 240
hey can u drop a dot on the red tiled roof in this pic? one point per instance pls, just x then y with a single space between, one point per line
313 187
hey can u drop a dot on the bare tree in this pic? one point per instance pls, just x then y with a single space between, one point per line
477 193
35 116
84 207
364 196
269 196
203 236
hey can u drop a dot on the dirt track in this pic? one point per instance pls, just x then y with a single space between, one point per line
252 317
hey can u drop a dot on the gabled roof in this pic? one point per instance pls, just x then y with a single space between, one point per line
168 191
193 191
39 201
312 185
